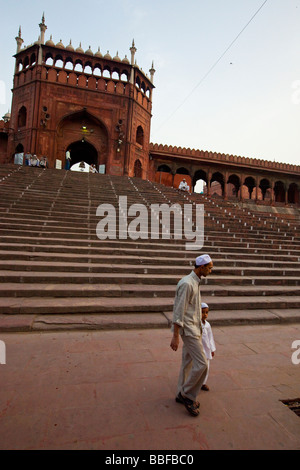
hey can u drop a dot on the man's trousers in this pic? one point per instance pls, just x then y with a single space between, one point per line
193 367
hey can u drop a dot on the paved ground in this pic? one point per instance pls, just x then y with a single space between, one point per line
115 390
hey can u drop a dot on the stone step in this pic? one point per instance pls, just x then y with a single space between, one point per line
42 289
144 279
154 259
161 245
34 306
115 267
100 249
140 320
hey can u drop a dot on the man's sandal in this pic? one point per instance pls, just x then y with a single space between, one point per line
179 399
191 406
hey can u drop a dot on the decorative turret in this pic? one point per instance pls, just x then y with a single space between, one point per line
152 72
43 28
19 40
133 50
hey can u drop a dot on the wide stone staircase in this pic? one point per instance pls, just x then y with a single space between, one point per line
56 273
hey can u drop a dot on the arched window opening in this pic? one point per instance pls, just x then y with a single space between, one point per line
88 69
106 73
19 148
115 76
293 194
140 136
124 77
59 63
32 60
164 168
248 187
265 188
182 171
22 117
137 169
233 186
69 65
49 61
279 191
97 71
217 184
200 182
78 67
26 62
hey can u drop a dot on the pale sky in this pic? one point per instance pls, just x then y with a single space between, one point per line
227 71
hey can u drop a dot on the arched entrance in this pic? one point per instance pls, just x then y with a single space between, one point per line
85 137
82 150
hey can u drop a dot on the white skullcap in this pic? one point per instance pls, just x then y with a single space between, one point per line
204 305
203 259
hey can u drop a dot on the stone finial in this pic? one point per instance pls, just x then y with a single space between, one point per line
152 72
43 28
133 50
19 40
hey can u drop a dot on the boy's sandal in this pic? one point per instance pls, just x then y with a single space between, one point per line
205 387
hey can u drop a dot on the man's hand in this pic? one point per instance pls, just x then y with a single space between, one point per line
174 342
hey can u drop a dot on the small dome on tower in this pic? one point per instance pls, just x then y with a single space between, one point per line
79 49
6 116
125 60
117 57
89 51
98 53
107 56
70 47
50 42
60 44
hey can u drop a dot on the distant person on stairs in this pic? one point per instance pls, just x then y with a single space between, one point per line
187 323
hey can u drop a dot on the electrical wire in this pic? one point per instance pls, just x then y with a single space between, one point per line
214 65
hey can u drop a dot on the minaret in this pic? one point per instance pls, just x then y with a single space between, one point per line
152 72
133 50
43 28
19 40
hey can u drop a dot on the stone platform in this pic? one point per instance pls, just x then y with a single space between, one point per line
115 391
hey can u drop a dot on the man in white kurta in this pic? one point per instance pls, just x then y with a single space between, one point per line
187 323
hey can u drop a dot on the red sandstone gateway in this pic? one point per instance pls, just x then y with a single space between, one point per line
97 108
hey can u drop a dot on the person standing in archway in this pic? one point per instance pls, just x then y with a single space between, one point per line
68 160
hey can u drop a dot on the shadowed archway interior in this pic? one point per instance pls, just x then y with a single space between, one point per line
83 151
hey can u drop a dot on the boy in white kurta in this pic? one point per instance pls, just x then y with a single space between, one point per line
207 341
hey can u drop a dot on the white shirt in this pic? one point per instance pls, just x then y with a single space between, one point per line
187 305
207 339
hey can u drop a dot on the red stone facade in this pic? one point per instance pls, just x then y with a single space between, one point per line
95 106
